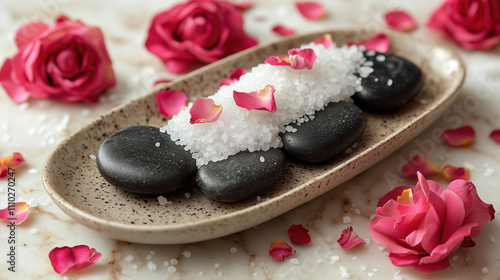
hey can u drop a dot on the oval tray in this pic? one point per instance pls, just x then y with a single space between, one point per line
72 180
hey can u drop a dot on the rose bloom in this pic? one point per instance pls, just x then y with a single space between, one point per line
473 24
197 32
67 62
423 225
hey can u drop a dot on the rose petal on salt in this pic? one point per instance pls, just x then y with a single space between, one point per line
170 102
325 40
311 10
420 163
283 31
233 77
461 136
204 110
279 249
399 20
452 173
262 99
299 234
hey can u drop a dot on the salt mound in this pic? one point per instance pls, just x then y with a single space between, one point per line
299 94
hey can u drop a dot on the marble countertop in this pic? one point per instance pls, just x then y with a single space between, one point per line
34 128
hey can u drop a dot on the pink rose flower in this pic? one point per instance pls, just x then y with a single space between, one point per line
473 24
197 32
422 226
67 62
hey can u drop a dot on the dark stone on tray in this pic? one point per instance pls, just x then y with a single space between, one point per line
331 132
130 159
393 83
241 175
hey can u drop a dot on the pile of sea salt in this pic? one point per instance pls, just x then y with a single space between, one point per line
298 95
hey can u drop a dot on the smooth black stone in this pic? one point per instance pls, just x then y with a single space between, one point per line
377 95
331 132
240 175
130 160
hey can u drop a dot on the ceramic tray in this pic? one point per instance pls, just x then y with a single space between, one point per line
72 180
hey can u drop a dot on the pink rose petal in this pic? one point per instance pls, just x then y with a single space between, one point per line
28 32
204 110
12 161
399 20
299 234
262 99
161 81
311 10
64 259
349 239
283 31
279 249
452 173
233 77
297 59
420 163
325 40
378 42
495 135
461 136
15 213
170 102
243 6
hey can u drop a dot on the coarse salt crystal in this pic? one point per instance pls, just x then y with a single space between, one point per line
33 230
23 106
92 157
186 254
172 269
380 58
492 239
163 201
370 53
344 273
363 268
33 171
262 159
346 219
166 263
259 199
187 195
174 261
151 266
370 274
389 82
334 259
372 216
233 250
454 258
157 144
163 129
484 270
129 258
217 265
294 261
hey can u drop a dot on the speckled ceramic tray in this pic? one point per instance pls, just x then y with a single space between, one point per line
72 180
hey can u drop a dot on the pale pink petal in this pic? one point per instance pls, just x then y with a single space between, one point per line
279 249
204 110
299 234
452 173
283 31
420 163
325 40
161 81
302 58
28 32
233 77
399 20
311 10
378 42
12 161
64 259
15 213
495 135
414 260
170 102
461 136
349 239
278 60
262 99
243 6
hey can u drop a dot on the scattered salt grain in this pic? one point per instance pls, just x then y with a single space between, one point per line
484 270
370 53
454 258
92 157
217 265
344 273
363 268
172 269
262 159
174 261
149 257
33 171
163 201
380 58
372 216
33 230
375 80
492 239
357 211
166 263
187 195
389 82
489 170
186 254
468 165
233 250
152 266
397 275
259 199
381 248
346 219
370 274
354 258
334 259
85 112
23 106
367 240
163 129
129 258
294 261
157 144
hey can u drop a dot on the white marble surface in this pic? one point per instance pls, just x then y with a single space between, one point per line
35 128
